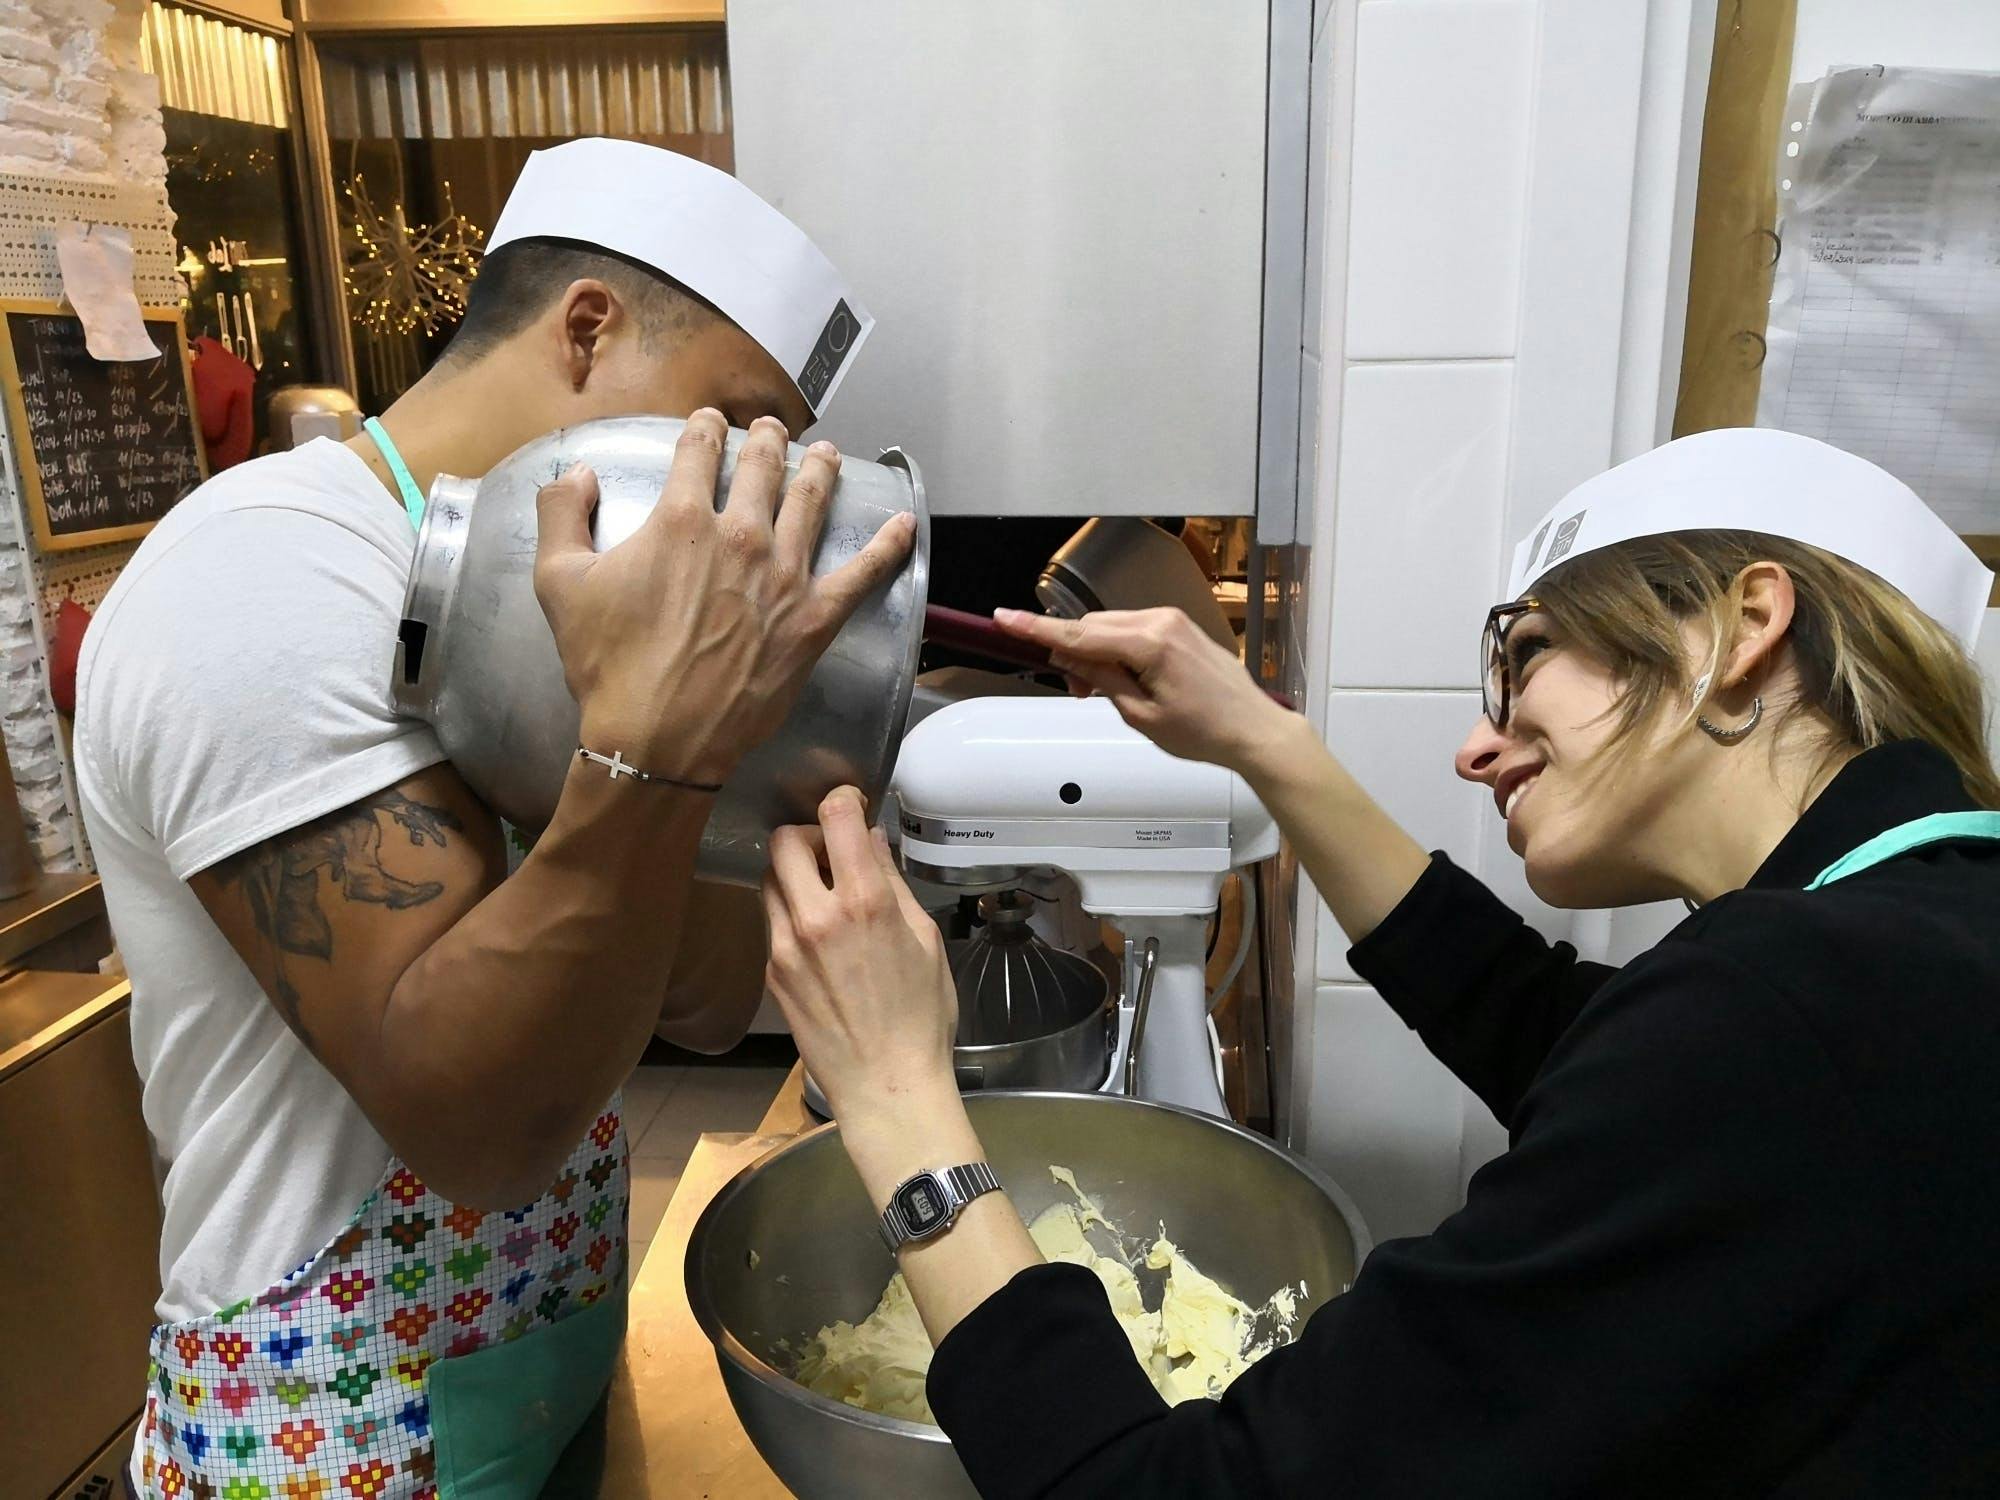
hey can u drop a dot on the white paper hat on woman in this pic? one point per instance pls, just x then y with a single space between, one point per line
1780 484
705 230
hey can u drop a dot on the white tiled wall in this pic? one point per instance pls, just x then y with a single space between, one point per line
1910 33
1388 1116
1472 363
1423 464
1835 33
1442 112
1399 746
1579 197
1500 867
1481 1139
1501 248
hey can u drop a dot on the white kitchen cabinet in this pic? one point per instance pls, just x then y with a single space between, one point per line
1057 214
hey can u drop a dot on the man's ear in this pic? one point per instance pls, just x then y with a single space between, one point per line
589 310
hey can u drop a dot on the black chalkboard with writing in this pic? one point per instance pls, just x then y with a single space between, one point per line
106 449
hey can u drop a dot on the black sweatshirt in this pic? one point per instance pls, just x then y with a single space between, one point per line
1746 1240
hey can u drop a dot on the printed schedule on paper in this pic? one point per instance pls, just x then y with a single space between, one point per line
1884 334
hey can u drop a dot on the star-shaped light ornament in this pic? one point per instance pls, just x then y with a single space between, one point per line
403 277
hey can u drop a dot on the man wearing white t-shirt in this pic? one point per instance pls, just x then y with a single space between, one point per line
336 996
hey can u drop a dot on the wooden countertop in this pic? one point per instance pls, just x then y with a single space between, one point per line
39 1011
56 904
788 1115
667 1430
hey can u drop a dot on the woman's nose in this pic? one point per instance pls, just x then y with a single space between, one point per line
1476 757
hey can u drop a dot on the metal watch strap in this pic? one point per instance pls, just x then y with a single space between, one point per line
961 1185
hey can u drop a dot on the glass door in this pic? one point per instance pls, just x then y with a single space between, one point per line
426 133
226 105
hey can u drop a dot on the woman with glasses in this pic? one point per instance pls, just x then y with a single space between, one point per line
1743 1241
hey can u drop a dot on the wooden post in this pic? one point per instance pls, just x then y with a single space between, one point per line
1736 201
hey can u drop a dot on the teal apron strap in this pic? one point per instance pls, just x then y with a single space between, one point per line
413 498
1935 829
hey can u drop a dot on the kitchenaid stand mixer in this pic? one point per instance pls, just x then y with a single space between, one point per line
990 790
1018 797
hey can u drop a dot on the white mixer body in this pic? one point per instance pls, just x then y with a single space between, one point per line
992 788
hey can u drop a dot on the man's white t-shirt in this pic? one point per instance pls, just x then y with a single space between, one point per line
234 685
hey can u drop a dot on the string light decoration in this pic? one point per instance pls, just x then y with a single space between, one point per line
403 278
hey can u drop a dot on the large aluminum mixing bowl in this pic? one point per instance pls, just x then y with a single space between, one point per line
1253 1216
476 660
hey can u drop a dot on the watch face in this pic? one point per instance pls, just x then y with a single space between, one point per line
921 1205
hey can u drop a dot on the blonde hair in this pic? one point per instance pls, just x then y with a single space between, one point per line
1875 665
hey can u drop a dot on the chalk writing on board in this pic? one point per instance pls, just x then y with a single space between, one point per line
114 443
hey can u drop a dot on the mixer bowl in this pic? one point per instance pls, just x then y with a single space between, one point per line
1030 1016
1246 1212
1076 1057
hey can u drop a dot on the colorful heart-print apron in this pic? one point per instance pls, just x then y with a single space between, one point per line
429 1351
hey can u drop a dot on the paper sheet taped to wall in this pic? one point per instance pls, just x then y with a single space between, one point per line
1884 334
96 261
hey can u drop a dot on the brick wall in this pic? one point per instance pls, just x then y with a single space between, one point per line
74 101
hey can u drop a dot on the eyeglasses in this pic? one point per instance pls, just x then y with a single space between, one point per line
1496 684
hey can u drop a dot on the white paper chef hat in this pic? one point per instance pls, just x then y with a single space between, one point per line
1779 483
707 231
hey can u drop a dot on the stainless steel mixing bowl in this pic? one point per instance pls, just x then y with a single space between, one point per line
1030 1016
476 660
1249 1214
1076 1057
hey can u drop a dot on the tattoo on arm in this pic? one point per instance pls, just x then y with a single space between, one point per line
281 880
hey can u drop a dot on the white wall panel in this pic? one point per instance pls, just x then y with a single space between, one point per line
1443 92
1908 33
1399 747
1320 164
1634 929
1056 214
1387 1117
1423 459
1482 1137
1311 390
1680 37
1520 191
1504 874
1589 71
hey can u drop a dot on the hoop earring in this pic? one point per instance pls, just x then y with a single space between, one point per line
1727 735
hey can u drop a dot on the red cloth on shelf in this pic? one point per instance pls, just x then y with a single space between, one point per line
222 387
